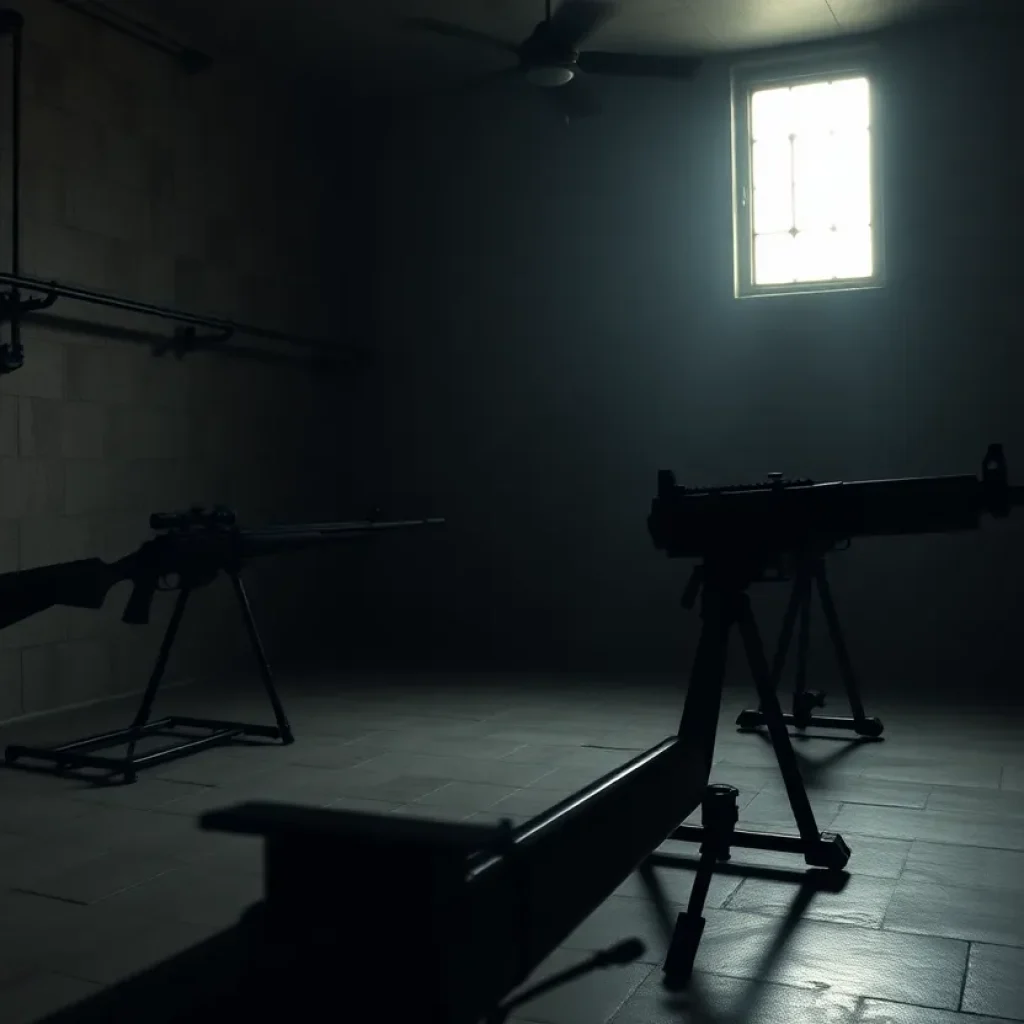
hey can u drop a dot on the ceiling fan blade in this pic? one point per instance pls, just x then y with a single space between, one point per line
637 65
575 20
467 35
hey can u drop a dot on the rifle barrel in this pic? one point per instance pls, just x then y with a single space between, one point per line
772 518
302 535
359 526
914 505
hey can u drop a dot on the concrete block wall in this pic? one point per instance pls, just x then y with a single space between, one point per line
212 193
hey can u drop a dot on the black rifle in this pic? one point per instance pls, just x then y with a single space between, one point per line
193 548
781 529
768 530
763 523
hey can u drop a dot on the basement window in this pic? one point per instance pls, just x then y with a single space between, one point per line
806 197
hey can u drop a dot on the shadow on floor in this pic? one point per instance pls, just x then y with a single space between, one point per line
213 981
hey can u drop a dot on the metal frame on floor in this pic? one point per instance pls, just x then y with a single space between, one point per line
81 754
809 574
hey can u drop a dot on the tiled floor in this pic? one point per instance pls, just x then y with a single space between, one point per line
928 929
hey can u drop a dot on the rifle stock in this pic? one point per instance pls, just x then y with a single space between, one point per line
80 584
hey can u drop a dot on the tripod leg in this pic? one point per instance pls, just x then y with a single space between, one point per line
796 604
804 700
865 726
146 707
719 814
805 636
752 719
283 726
776 724
699 721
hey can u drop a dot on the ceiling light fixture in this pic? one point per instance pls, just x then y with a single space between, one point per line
550 76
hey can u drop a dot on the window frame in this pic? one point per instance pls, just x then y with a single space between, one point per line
746 78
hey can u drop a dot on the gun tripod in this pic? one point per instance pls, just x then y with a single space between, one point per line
725 604
80 754
810 573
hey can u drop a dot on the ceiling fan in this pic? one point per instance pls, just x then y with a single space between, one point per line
552 60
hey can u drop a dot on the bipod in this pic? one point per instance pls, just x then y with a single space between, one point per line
810 574
80 754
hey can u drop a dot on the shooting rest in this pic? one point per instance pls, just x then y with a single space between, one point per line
775 519
80 754
808 573
193 549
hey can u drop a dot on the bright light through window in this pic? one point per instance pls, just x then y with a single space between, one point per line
810 173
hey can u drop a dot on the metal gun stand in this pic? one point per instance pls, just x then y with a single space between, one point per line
80 754
810 572
724 604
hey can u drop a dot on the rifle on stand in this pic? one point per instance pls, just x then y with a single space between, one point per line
785 528
193 548
756 532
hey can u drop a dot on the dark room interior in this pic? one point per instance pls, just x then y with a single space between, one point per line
423 298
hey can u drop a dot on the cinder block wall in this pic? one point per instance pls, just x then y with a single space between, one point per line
212 193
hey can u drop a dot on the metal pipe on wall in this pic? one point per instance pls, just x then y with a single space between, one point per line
14 307
12 354
224 329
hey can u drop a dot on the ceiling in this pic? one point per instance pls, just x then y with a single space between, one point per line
364 42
